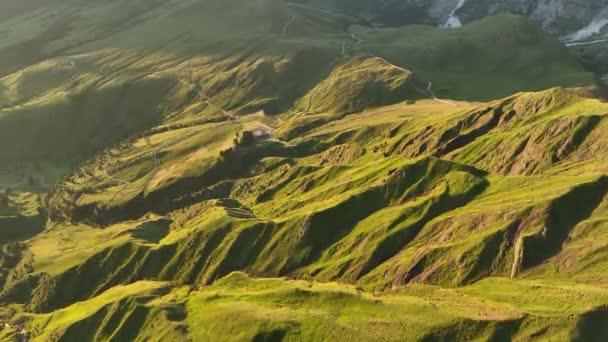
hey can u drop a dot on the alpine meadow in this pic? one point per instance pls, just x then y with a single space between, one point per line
303 170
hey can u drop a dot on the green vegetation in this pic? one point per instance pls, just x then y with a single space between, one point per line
347 201
295 310
260 170
362 83
485 60
88 84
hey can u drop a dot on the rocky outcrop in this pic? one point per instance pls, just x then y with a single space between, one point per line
555 16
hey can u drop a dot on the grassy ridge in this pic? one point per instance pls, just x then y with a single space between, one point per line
303 310
346 201
296 205
485 60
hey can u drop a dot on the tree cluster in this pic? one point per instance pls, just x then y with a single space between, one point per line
245 139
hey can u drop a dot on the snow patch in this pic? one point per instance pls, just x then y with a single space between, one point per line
453 21
594 28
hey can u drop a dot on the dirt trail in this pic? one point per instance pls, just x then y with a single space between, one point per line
284 32
207 99
155 152
157 162
192 85
428 92
107 175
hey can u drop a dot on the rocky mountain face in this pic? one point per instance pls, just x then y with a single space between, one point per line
555 16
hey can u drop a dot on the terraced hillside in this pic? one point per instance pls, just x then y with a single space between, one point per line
262 170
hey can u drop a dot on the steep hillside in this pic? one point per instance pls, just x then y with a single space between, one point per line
96 82
370 199
580 24
485 60
280 309
101 81
262 170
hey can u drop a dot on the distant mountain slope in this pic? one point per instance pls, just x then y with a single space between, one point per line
581 24
556 16
482 61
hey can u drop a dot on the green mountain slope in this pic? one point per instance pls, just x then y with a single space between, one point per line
485 60
260 170
380 206
96 82
302 310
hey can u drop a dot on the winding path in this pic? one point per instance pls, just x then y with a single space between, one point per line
429 90
310 102
587 43
107 175
207 99
156 151
356 41
157 162
284 32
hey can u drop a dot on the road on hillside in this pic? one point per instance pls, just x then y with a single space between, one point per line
284 32
207 99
